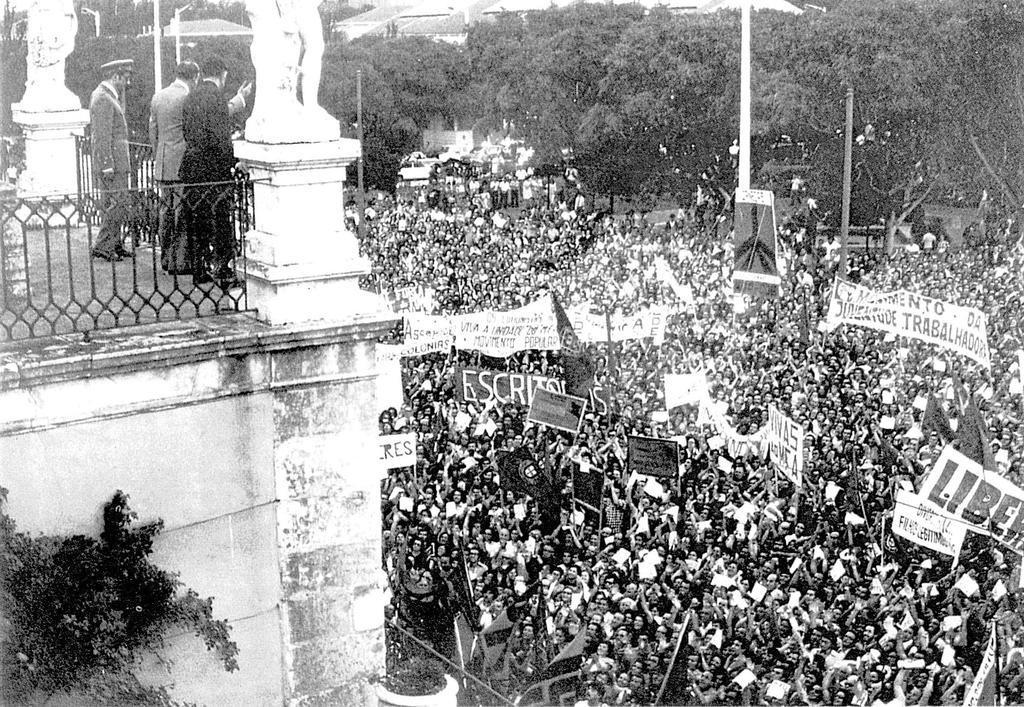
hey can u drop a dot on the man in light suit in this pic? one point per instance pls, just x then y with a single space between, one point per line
110 163
168 141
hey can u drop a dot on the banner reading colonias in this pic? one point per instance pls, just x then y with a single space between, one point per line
786 444
918 520
961 488
960 329
425 334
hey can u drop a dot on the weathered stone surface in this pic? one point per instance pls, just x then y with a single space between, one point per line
324 664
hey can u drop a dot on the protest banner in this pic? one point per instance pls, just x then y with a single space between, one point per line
685 389
652 456
985 500
756 267
918 520
563 412
397 451
501 334
712 412
785 444
425 333
959 329
413 298
593 328
481 385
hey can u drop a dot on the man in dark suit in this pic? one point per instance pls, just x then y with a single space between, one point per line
209 157
168 141
110 164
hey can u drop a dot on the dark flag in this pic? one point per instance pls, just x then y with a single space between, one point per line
559 682
462 591
579 368
588 487
935 418
676 685
519 471
755 268
493 641
972 433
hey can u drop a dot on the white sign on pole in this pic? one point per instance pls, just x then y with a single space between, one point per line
397 451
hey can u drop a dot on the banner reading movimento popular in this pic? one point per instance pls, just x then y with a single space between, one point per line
961 488
960 329
786 444
501 334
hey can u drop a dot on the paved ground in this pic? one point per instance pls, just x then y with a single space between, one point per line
67 290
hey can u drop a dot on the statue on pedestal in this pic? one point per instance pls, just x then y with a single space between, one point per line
287 51
52 25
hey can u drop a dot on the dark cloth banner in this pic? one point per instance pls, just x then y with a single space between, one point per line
653 457
588 486
935 418
493 640
481 385
520 472
579 367
560 681
755 269
972 433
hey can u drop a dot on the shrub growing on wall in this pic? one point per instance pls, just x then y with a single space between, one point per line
78 613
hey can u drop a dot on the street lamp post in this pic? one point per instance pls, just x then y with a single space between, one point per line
177 33
95 18
158 82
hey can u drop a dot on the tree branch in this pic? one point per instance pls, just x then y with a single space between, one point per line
1007 191
915 203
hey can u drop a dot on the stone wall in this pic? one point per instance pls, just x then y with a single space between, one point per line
255 445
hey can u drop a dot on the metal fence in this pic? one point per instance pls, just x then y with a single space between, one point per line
50 282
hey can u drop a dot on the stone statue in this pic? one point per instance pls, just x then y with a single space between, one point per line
287 51
52 26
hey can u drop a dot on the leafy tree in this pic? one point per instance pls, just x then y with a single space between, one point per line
80 613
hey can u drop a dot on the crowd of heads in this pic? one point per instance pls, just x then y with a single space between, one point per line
719 530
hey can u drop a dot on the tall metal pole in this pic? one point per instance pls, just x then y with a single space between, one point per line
844 231
158 81
744 167
359 162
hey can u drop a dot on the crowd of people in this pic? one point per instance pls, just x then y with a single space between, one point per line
731 553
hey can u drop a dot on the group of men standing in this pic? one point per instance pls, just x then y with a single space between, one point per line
190 131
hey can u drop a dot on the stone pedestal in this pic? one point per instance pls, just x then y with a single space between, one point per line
49 149
302 264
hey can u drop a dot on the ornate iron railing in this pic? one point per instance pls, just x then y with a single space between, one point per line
52 283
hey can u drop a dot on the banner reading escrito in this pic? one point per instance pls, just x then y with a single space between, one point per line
481 385
960 329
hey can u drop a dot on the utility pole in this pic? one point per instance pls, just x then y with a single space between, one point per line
844 229
157 73
359 162
744 166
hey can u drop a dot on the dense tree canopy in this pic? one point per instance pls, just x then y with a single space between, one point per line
644 100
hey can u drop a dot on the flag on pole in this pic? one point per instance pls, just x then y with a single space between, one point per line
756 268
560 680
588 486
519 471
935 418
579 368
465 640
983 690
972 433
493 640
675 687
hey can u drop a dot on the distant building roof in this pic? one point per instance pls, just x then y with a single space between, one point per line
777 5
525 5
208 28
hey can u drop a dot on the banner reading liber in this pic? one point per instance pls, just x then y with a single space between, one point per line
916 519
481 385
960 329
786 444
961 488
756 266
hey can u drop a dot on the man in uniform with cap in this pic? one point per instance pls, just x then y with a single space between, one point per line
110 163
